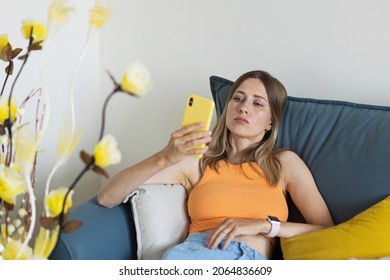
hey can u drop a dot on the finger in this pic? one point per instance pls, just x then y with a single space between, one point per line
190 128
194 144
197 144
199 151
189 140
216 237
229 238
179 137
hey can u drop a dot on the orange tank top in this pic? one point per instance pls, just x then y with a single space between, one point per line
237 191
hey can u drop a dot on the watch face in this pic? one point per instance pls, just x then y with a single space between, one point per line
273 218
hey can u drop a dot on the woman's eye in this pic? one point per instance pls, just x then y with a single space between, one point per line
237 98
257 104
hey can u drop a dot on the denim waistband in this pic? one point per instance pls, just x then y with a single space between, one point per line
240 249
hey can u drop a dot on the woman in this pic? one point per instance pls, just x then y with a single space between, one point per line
237 189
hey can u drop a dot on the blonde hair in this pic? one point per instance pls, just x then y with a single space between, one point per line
263 152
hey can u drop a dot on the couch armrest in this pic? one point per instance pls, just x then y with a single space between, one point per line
106 234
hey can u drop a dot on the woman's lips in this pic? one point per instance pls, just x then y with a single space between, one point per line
241 120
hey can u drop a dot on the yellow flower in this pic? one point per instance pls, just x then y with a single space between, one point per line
12 248
11 184
136 79
3 41
59 12
44 243
4 111
99 15
25 146
66 142
106 152
38 30
55 199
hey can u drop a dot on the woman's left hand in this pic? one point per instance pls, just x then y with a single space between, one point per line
232 228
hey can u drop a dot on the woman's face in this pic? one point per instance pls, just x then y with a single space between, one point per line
248 111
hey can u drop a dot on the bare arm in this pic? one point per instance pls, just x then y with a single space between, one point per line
170 165
304 193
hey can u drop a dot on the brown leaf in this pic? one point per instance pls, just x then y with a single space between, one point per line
48 223
36 46
16 52
85 157
6 52
10 68
72 226
22 57
100 171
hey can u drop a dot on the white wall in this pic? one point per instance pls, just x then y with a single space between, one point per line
323 49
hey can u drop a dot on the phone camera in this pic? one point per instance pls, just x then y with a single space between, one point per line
191 101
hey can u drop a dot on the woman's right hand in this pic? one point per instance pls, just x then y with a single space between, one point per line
182 142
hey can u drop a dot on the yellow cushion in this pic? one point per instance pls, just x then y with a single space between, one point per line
365 236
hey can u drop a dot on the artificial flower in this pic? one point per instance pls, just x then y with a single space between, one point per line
11 184
45 243
12 250
99 14
136 80
55 199
3 41
4 111
25 147
38 30
59 12
67 142
106 152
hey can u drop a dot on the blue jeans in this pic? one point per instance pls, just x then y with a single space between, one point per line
194 248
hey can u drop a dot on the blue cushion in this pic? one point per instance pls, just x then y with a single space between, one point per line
107 233
345 145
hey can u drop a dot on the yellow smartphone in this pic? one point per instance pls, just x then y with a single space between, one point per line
198 109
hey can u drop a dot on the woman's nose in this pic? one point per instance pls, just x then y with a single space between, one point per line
243 108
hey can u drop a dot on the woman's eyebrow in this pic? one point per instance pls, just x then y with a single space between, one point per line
256 96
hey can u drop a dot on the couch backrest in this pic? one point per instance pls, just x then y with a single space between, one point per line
345 145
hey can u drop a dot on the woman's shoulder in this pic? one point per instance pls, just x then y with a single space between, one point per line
290 162
294 169
286 156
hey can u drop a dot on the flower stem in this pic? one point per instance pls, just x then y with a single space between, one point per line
6 78
9 123
61 217
116 89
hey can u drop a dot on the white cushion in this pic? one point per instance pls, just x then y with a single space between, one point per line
160 217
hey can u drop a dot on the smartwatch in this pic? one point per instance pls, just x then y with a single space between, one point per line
275 226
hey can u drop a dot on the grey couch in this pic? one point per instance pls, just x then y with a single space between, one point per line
345 145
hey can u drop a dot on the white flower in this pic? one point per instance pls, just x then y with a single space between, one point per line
136 79
106 152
